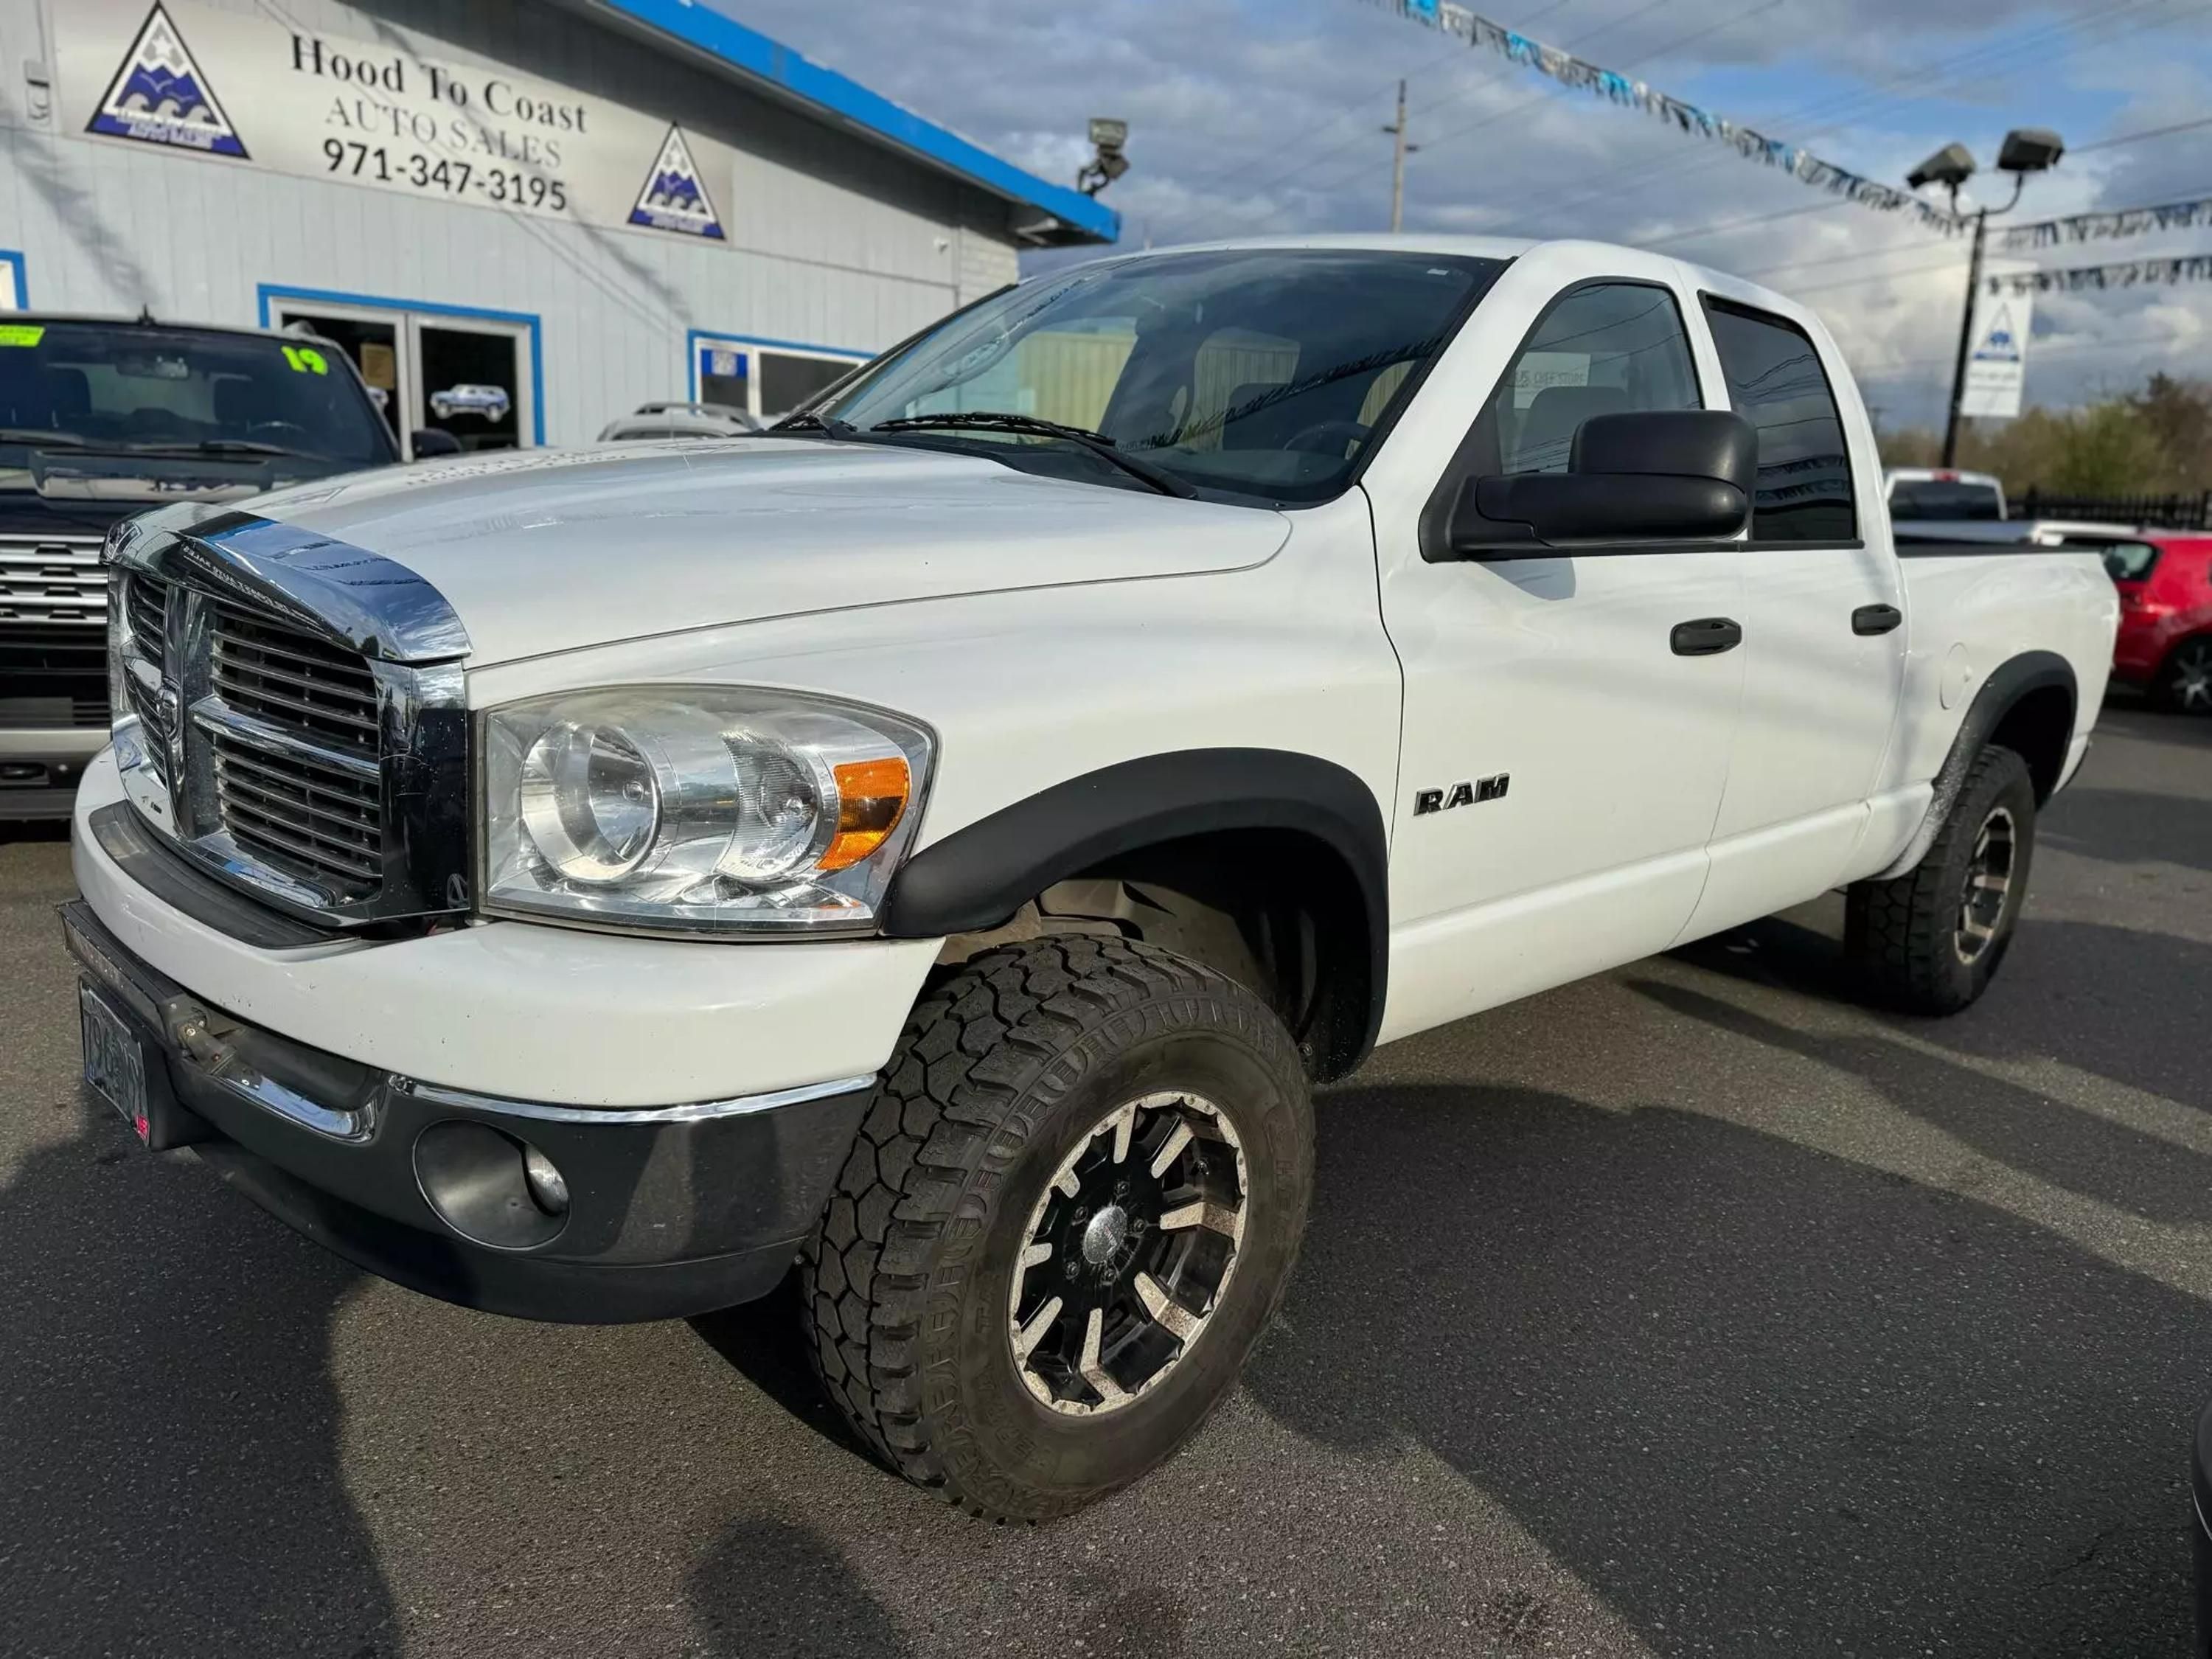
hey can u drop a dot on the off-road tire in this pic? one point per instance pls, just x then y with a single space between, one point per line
1903 934
1003 1070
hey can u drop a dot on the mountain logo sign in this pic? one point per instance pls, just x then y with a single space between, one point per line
160 96
673 198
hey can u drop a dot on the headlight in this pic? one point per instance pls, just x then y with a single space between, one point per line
696 807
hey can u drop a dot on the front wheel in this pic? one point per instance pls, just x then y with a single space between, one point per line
1072 1210
2186 682
1929 941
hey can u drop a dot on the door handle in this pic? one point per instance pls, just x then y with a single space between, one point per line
1875 618
1708 636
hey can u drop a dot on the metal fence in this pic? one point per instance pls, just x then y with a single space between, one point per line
2192 512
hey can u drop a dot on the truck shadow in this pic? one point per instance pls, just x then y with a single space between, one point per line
2132 826
818 1605
169 1474
1637 1332
2121 1003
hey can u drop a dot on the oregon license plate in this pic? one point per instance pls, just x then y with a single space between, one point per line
114 1063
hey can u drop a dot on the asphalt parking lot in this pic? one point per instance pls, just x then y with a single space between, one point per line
1693 1309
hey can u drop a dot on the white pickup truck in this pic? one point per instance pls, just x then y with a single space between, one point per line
940 844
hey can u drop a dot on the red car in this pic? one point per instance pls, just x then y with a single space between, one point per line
2165 616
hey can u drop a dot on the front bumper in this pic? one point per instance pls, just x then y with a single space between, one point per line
668 1211
531 1012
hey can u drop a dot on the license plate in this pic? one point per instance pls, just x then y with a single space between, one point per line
114 1063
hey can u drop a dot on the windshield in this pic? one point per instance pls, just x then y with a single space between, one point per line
1944 498
1255 373
129 388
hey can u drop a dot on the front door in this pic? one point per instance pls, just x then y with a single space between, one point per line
1592 753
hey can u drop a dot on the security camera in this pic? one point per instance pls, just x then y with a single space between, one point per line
2029 149
1951 167
1107 137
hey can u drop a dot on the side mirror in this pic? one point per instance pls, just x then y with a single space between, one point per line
1653 477
428 441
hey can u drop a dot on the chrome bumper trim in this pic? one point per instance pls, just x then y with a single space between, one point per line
737 1106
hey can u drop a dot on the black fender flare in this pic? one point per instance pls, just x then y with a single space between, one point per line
2013 679
977 877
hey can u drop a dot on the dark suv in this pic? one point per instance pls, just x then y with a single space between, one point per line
100 418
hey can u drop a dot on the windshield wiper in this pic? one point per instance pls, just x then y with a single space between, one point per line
807 421
988 420
213 447
40 436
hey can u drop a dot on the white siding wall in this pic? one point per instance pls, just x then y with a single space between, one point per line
834 241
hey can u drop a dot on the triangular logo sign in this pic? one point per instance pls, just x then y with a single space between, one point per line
159 96
1997 344
674 198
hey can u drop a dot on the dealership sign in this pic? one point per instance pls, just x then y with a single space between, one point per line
1997 363
252 92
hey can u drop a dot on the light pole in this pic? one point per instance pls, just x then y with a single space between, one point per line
2025 150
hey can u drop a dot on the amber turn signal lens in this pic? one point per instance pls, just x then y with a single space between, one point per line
870 800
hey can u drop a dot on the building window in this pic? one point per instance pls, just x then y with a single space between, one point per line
761 379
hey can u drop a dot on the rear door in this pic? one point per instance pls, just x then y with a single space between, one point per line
1561 763
1823 634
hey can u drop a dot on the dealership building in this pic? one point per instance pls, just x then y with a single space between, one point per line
521 217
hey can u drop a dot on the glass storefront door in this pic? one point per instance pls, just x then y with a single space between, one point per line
428 369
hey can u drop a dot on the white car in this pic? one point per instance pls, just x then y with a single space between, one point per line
940 844
666 420
489 403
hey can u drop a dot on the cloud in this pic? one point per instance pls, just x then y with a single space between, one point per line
1251 119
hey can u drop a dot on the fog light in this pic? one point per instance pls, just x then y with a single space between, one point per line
547 1185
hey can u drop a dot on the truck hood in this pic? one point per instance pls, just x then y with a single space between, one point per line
546 551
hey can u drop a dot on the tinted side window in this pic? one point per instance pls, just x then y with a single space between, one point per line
1776 382
1606 349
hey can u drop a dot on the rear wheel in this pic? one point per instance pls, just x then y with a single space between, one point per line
2186 682
1072 1210
1929 941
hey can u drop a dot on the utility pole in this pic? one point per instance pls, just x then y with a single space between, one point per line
1966 335
1398 164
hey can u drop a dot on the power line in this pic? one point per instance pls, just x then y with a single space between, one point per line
1306 166
2149 132
1357 106
1958 69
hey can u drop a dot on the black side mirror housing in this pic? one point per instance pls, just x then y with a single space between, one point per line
1639 481
428 441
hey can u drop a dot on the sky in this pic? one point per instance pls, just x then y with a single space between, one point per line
1253 118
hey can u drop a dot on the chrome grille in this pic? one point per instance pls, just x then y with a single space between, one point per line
290 678
53 579
301 807
145 601
310 820
329 778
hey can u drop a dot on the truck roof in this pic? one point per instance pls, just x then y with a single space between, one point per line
1623 258
143 321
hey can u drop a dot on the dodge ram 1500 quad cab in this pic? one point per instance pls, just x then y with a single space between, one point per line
941 844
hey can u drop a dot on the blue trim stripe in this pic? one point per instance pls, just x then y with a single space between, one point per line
753 52
10 257
266 292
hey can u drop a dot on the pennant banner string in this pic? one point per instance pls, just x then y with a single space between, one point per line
2116 221
1569 70
2134 273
